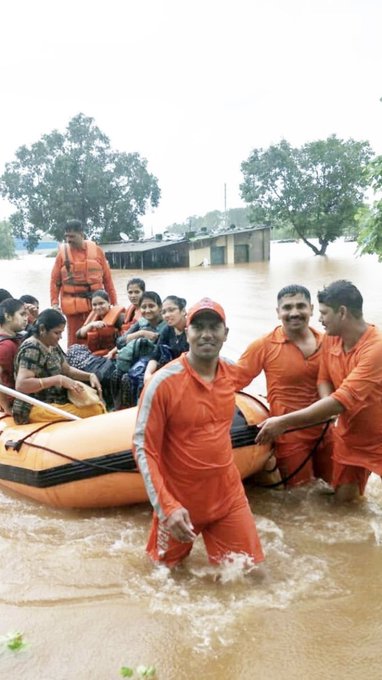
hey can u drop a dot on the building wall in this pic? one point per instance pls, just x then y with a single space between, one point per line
199 255
230 248
254 244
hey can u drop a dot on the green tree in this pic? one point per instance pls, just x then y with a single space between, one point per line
370 219
77 175
7 245
317 189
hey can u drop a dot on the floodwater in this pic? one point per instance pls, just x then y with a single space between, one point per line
77 583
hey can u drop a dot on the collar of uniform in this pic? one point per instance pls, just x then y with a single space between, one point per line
279 337
195 374
337 346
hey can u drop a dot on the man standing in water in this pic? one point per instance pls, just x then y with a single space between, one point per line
350 386
290 358
183 449
80 269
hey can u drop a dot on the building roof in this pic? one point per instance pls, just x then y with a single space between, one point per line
153 244
138 246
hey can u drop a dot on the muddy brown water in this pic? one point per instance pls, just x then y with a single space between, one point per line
77 583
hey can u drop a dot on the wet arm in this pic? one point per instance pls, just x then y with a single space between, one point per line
321 410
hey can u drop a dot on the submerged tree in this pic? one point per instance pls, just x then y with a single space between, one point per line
7 244
317 188
77 175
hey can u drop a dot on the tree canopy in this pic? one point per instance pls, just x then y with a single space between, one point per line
316 188
370 234
77 174
7 244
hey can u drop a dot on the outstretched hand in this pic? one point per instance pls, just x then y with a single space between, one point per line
180 526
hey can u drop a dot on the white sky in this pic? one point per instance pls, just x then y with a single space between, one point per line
191 86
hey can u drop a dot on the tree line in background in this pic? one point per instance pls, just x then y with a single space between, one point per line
316 191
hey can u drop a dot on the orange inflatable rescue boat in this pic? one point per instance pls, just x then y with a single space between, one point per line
88 463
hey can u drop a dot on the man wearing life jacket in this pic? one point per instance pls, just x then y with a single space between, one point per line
80 268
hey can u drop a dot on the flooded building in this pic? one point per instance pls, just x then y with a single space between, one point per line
233 246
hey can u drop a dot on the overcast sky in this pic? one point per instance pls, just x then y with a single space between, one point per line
192 86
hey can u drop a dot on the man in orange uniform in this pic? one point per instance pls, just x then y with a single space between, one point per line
290 357
79 269
183 449
350 384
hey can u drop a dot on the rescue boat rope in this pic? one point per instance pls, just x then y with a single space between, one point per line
311 453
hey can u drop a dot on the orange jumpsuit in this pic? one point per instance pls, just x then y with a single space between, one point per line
357 380
291 385
78 255
183 449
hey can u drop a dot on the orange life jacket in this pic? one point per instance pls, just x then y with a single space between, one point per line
133 314
101 340
79 279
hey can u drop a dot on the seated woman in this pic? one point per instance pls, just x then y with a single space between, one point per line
138 342
102 326
151 322
172 341
43 372
13 320
135 288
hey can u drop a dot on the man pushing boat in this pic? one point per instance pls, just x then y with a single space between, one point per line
350 386
183 449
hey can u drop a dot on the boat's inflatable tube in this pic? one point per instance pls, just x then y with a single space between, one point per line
88 463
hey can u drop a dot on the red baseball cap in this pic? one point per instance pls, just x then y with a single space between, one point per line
205 304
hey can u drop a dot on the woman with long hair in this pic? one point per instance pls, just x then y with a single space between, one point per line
42 371
13 320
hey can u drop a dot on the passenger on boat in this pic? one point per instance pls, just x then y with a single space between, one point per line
32 306
136 345
102 326
172 341
42 371
80 268
135 288
13 320
150 323
183 449
290 358
350 386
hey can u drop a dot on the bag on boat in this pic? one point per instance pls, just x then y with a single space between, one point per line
134 350
86 397
136 375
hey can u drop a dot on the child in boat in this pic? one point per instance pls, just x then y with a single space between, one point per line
13 320
42 371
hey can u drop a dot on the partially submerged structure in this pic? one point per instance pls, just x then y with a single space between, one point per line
233 246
